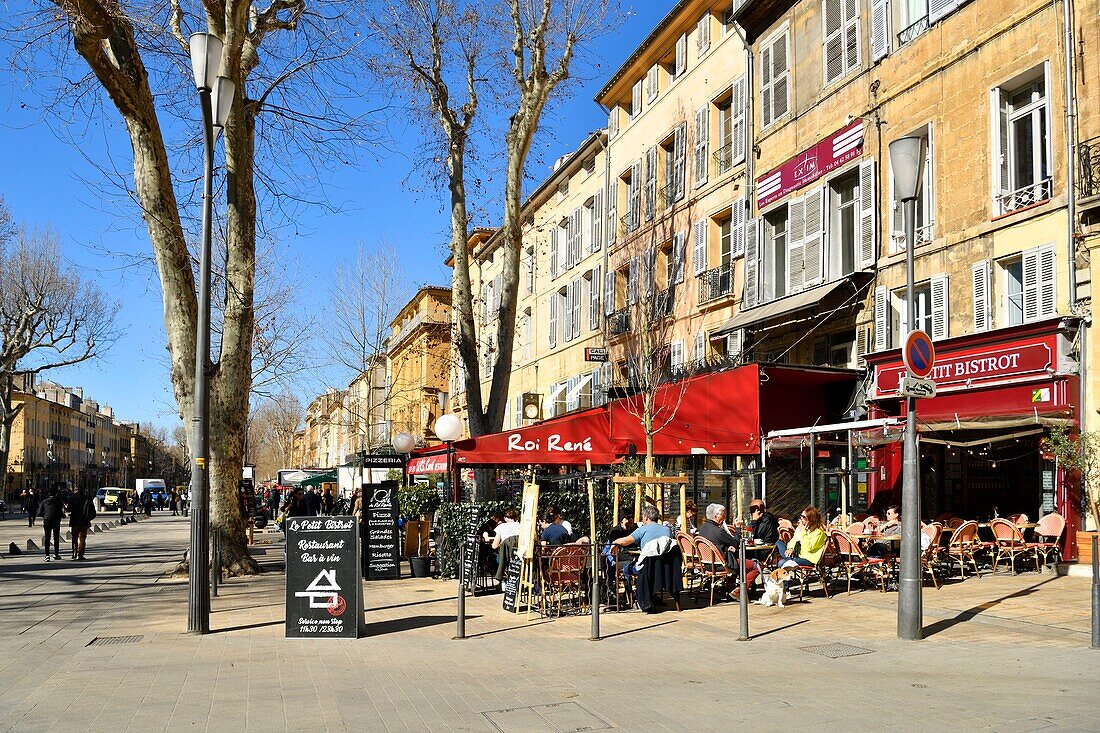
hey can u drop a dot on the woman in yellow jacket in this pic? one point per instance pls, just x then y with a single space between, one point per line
808 543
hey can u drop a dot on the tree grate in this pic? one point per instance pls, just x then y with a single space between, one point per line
836 651
107 640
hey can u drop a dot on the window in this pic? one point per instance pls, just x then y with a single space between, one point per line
774 81
702 144
1027 282
775 253
931 302
565 243
675 155
727 20
651 82
530 265
914 20
553 251
553 325
632 183
702 36
596 217
844 222
699 252
576 236
724 154
593 283
575 302
613 121
840 47
676 355
565 307
1022 175
725 240
925 201
699 347
636 99
679 63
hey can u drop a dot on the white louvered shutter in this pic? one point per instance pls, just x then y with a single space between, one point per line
735 343
751 295
766 85
633 192
613 122
679 160
882 318
553 252
814 244
578 234
676 354
578 287
880 29
649 272
780 77
611 230
636 99
679 256
941 298
861 346
868 230
738 106
979 276
1040 294
594 297
651 80
699 347
597 221
699 248
609 292
702 142
833 13
650 183
938 9
553 330
796 247
737 228
1002 173
567 314
681 55
703 35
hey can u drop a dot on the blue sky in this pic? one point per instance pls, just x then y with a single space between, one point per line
48 181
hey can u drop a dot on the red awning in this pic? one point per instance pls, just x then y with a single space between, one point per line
427 464
567 440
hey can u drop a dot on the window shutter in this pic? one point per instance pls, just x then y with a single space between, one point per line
609 292
553 252
737 114
679 256
632 282
979 276
867 224
567 314
636 99
650 272
597 221
882 318
703 35
681 55
594 286
765 86
1002 174
821 351
735 342
780 101
633 207
578 286
611 231
737 228
676 354
613 122
880 29
833 13
940 301
861 345
651 80
650 183
702 139
796 243
679 160
851 35
1048 301
699 251
939 8
699 351
814 244
752 264
578 235
553 320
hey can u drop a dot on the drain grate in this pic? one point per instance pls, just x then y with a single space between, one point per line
562 717
836 651
107 640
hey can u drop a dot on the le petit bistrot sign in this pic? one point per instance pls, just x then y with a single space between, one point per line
323 597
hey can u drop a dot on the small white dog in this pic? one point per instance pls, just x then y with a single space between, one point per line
773 588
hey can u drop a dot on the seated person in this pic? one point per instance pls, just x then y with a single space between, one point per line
506 529
892 523
553 532
764 525
714 529
890 526
626 526
553 510
808 543
650 529
692 513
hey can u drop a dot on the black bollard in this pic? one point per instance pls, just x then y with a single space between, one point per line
460 618
743 600
1095 593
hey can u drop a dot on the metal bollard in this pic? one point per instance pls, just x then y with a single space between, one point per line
595 634
215 562
743 600
460 620
1095 593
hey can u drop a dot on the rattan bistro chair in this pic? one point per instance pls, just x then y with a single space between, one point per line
930 554
564 573
852 561
1049 531
712 565
692 568
962 546
1010 544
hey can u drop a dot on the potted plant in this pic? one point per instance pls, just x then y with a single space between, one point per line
1080 454
417 504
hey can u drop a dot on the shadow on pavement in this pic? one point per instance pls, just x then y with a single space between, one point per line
397 625
640 628
947 623
246 627
779 628
510 628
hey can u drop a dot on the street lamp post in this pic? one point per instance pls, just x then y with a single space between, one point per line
447 428
403 443
907 161
215 100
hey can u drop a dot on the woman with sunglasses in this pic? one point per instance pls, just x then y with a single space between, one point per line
808 543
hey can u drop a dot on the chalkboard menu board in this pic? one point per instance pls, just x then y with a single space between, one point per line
382 549
511 582
322 578
473 548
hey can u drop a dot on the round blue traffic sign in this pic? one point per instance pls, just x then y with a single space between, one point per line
919 354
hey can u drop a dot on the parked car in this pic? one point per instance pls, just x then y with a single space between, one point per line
3 508
99 496
111 495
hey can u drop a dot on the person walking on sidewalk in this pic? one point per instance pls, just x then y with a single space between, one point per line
52 511
81 514
31 504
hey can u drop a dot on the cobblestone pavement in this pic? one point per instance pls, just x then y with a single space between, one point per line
1002 654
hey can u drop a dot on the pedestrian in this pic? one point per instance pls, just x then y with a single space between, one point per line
148 502
31 504
174 503
81 514
121 504
185 501
328 501
52 511
312 502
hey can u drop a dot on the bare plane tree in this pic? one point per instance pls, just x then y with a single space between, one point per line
50 317
442 56
272 425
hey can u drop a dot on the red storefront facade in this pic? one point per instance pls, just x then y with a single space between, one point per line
998 393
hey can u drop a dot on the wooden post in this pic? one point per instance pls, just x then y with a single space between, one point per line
637 503
659 490
683 509
615 510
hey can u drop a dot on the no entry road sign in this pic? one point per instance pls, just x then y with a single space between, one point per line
919 354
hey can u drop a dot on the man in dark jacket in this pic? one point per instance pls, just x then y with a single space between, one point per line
312 502
81 514
31 504
714 529
764 525
52 511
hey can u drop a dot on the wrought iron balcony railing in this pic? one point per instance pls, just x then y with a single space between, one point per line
662 303
716 283
1026 196
618 322
723 158
913 30
1088 158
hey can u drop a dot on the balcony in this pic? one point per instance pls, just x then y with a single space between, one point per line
716 283
662 303
913 30
618 322
723 158
1088 157
1026 196
923 235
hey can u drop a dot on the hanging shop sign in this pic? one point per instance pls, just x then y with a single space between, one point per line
963 369
809 165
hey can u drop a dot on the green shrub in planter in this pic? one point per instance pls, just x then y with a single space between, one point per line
417 501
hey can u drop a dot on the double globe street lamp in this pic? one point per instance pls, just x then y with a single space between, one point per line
448 428
907 160
215 101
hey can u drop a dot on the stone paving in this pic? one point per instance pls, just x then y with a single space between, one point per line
1003 654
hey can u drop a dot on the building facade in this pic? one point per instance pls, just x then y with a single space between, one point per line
417 389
